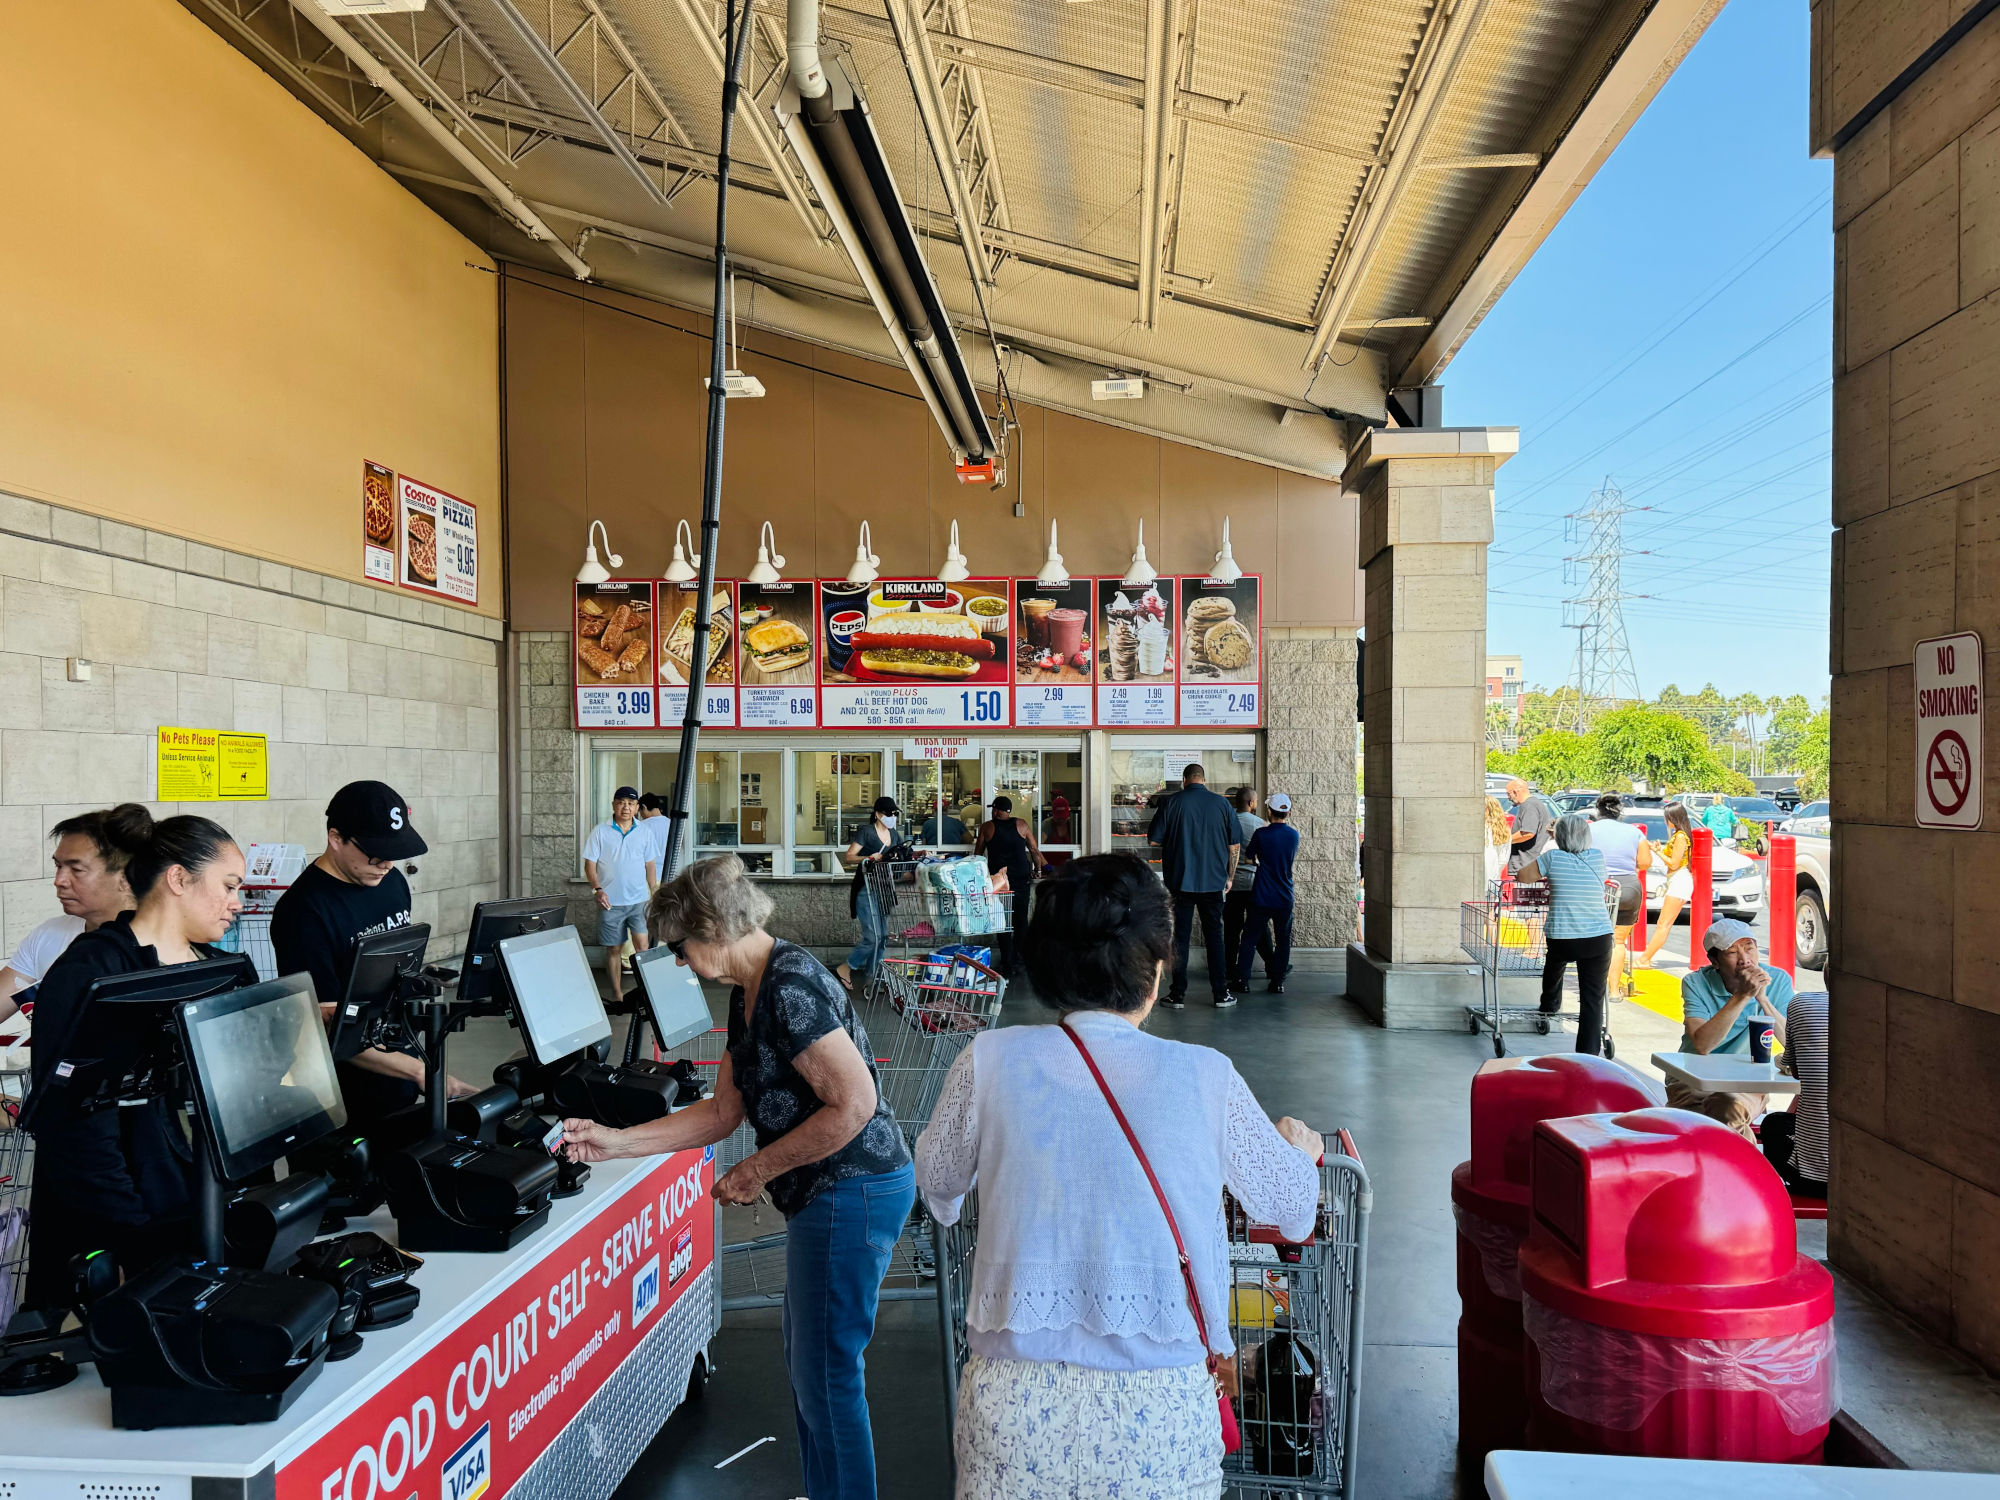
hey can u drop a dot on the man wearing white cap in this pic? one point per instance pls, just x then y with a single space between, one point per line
1274 847
1735 1005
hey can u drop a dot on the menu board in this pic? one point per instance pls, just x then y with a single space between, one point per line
1135 656
1222 651
1055 638
378 522
617 681
440 542
777 667
678 603
915 653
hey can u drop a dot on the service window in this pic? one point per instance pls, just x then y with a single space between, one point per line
833 793
940 802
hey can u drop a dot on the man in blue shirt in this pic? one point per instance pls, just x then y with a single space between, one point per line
1728 1007
1274 847
1200 842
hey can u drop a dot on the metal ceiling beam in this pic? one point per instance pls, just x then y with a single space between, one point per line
580 101
753 119
610 32
1483 163
989 179
920 63
372 29
504 197
1447 41
1591 129
1163 21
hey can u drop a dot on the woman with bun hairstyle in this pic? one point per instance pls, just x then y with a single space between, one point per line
90 855
122 1179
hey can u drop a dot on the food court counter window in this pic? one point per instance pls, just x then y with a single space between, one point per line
1143 770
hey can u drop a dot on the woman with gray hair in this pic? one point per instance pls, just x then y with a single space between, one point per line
1579 926
800 1068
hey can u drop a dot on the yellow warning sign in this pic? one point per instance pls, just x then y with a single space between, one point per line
212 765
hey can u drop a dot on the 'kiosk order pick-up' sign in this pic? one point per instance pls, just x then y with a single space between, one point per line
468 1416
1950 748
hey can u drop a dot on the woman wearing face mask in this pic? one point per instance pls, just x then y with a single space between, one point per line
90 855
828 1150
871 844
121 1179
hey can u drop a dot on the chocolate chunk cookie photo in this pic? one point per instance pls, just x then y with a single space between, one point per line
1221 630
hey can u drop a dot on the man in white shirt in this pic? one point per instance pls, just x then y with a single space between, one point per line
90 886
621 862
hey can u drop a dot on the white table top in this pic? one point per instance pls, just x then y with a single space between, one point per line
1724 1073
70 1428
1581 1476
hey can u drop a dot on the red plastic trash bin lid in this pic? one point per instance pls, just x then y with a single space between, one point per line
1662 1221
1510 1096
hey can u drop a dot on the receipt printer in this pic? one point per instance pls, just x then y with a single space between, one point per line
452 1192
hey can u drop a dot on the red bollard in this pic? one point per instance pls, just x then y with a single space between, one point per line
1701 905
1637 943
1781 873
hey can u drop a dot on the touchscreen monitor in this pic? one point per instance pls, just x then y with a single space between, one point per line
263 1073
555 993
674 999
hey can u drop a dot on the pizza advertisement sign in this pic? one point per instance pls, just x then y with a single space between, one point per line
1222 651
378 522
615 655
440 552
1951 751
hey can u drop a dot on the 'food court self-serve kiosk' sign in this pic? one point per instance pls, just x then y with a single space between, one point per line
1950 747
468 1417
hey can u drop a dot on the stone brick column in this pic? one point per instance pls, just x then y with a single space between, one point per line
1310 739
1426 522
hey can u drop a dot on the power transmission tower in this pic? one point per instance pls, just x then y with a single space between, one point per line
1603 676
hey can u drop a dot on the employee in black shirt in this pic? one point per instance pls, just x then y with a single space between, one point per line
1200 841
354 890
122 1179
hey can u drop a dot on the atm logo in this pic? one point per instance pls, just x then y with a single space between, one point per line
469 1471
645 1293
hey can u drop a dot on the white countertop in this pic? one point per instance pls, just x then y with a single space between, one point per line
70 1428
1582 1476
1724 1073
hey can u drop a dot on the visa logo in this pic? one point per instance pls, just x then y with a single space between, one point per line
645 1293
469 1471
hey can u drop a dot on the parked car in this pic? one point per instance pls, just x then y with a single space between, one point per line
1811 818
1736 881
1813 902
1756 809
1576 799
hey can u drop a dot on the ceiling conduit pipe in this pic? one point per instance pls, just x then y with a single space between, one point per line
832 132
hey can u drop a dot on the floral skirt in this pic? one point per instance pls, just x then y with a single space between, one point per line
1032 1431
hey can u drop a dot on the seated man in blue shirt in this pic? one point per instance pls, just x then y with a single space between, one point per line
1735 1005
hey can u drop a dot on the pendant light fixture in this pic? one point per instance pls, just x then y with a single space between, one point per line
1053 572
592 570
681 569
954 569
865 560
769 559
1139 573
1225 569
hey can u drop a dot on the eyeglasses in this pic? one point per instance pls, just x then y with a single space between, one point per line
678 947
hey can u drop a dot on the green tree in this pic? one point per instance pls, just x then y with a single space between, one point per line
1558 758
1791 722
1499 762
1811 760
1664 749
1539 708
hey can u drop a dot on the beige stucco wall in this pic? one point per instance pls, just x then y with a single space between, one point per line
213 308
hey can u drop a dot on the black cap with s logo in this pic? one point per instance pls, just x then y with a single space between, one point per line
372 815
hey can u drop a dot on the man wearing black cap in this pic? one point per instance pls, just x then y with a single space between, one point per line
354 890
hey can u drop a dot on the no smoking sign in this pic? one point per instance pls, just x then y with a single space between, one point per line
1950 748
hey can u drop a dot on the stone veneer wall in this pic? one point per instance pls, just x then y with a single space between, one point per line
1914 1206
347 681
1309 753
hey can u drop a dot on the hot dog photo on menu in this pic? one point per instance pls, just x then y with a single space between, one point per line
917 630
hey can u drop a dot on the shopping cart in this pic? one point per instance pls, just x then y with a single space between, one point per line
1507 937
251 931
1294 1317
928 1011
17 1168
922 911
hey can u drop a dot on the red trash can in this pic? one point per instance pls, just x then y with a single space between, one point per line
1489 1196
1668 1311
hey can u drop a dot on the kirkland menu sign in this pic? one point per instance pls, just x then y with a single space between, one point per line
918 654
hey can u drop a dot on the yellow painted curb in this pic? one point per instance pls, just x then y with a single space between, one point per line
1658 992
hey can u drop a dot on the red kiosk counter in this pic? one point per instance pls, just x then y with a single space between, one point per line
541 1372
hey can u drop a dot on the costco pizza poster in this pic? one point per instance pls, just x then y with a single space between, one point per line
468 1417
440 542
378 522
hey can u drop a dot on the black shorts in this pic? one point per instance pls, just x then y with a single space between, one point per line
1628 901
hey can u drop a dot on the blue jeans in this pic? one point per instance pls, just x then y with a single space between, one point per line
1278 962
836 1251
867 953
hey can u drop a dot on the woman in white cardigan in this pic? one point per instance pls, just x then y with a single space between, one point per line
1087 1376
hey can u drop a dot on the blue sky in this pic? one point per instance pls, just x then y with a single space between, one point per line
1674 334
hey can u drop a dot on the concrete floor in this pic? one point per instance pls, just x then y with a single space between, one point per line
1403 1095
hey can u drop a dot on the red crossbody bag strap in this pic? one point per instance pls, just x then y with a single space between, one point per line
1232 1437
